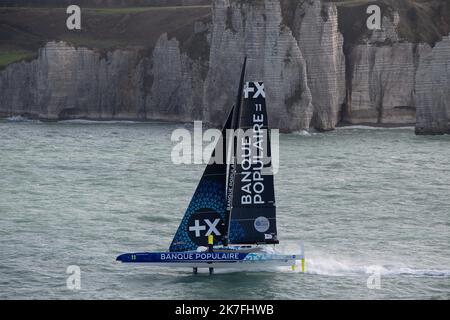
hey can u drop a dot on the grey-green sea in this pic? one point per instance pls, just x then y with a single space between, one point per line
371 206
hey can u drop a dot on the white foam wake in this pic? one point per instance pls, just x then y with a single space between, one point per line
85 121
302 133
334 267
20 119
374 128
321 263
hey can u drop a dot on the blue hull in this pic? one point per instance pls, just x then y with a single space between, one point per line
182 257
232 260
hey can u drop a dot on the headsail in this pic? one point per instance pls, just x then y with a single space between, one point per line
206 213
252 218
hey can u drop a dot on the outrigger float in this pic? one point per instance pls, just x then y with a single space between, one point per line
231 219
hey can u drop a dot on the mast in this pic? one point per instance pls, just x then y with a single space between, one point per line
237 109
231 151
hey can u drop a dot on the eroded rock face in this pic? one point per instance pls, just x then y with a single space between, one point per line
433 90
65 82
177 86
382 78
397 82
316 29
310 82
255 29
383 84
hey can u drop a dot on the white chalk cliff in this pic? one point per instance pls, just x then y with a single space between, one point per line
311 81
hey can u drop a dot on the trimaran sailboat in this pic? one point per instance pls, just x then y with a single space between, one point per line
230 221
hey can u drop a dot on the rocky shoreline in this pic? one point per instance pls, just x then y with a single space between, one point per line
314 77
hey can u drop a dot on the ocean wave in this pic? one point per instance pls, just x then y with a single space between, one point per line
20 119
305 133
85 121
362 127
